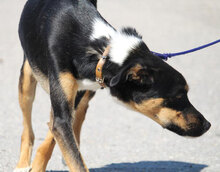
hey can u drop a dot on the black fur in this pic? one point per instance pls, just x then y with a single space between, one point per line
59 40
94 2
131 31
55 36
79 96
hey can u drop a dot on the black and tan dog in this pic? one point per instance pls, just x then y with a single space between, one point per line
72 51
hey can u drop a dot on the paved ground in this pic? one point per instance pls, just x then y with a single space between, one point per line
115 139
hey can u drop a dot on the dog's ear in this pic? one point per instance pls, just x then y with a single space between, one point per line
137 74
117 78
141 75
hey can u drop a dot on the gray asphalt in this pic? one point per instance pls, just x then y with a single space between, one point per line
115 139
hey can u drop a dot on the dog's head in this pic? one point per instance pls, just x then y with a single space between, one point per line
152 87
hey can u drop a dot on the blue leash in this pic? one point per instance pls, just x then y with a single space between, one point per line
165 56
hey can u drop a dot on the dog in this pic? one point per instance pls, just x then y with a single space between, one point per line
72 51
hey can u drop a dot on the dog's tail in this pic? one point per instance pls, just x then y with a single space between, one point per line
94 2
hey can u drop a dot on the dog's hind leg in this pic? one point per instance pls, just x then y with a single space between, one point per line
43 154
63 90
45 150
81 106
27 87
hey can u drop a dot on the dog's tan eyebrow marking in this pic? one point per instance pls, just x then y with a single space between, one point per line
136 68
186 87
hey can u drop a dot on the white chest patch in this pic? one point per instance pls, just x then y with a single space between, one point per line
87 84
121 43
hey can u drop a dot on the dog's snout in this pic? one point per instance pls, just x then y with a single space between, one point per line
206 125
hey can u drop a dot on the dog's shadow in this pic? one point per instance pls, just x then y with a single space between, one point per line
149 166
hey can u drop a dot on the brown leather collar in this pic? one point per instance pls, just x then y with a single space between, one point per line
98 71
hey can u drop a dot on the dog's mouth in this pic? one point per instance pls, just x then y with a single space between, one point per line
176 129
193 131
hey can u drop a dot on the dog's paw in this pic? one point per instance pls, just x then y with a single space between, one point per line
27 169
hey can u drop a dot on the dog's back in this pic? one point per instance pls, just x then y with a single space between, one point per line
50 24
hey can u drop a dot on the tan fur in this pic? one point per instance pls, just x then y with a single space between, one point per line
69 86
167 116
134 70
70 160
80 115
149 108
26 96
164 116
187 87
27 86
45 150
43 154
192 119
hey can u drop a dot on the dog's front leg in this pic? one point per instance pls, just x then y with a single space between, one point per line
63 89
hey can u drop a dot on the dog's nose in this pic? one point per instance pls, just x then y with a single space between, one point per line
206 125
